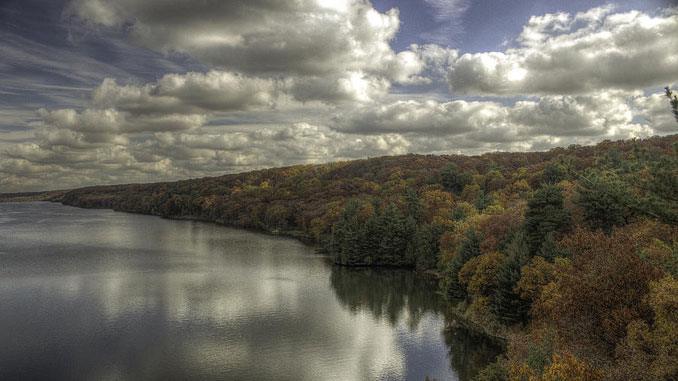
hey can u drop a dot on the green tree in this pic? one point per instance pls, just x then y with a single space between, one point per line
453 179
507 304
674 102
600 203
554 173
545 214
426 245
344 245
415 206
468 248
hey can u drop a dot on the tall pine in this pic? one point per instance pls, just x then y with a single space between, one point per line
545 214
507 304
468 248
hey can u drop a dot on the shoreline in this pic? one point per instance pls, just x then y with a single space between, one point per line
459 321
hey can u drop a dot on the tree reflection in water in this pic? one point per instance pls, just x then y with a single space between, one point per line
395 294
470 352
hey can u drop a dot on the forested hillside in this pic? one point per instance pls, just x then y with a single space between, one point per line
570 254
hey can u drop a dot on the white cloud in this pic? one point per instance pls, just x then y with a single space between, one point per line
657 111
189 93
576 54
266 37
606 113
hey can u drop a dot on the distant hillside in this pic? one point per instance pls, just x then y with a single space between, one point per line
31 196
305 200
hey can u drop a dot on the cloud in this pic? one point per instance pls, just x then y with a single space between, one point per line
576 54
109 122
605 113
189 93
657 111
448 118
331 88
263 37
108 146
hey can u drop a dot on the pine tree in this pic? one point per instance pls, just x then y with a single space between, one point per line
468 248
425 245
344 246
415 206
453 179
673 100
507 304
549 249
545 213
393 242
601 209
482 201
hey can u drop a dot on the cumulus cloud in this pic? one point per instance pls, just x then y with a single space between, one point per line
655 109
575 54
605 113
324 91
100 125
448 118
189 93
263 37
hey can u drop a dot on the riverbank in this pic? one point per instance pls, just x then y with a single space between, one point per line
460 317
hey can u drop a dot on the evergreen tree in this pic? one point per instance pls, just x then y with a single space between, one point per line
344 246
673 100
415 206
545 213
549 249
468 248
426 247
601 209
482 201
554 173
393 242
507 304
453 179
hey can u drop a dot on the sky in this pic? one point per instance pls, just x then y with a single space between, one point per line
123 91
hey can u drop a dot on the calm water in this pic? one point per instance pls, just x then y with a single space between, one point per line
97 294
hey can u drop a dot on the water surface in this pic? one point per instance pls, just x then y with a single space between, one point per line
98 294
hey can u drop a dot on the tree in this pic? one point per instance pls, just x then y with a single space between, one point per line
602 210
468 248
344 245
545 214
507 304
674 102
455 180
651 350
426 245
415 206
480 274
554 173
603 290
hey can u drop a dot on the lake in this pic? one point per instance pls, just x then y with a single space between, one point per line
97 295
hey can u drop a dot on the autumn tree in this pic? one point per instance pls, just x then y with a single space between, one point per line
650 350
601 292
468 248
